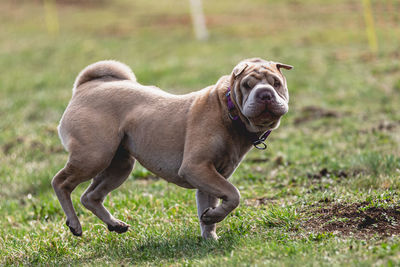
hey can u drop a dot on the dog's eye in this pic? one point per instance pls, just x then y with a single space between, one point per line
249 83
277 83
246 85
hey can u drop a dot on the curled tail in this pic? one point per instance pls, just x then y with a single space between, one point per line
110 68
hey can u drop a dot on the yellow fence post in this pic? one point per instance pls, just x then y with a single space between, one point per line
51 17
370 28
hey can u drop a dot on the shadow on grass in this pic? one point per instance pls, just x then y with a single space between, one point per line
187 247
157 249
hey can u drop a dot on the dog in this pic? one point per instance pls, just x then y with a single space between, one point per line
196 140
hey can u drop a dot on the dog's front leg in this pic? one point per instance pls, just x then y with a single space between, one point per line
206 179
205 201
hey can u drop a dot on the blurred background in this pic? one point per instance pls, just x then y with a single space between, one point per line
345 53
340 141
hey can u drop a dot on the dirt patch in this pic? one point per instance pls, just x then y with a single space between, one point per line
31 145
279 160
357 219
324 172
7 147
257 160
311 113
385 126
255 202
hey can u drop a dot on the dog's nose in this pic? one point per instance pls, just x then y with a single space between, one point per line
266 94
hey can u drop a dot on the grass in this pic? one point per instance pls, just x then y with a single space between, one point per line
346 150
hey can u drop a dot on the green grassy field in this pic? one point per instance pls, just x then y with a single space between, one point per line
326 192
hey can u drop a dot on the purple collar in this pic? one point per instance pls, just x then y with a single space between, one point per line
258 142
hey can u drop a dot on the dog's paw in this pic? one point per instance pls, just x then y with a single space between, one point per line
210 236
120 227
76 230
211 215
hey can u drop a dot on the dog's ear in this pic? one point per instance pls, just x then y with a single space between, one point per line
285 66
239 69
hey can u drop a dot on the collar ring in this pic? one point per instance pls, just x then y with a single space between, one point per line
260 145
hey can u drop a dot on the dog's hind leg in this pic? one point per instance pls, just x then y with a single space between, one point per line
106 181
84 163
205 201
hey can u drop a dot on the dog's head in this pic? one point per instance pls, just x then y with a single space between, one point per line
260 92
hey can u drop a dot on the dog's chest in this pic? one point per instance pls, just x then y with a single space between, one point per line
227 165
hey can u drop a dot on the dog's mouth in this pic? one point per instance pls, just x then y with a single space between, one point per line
267 123
271 111
277 109
268 119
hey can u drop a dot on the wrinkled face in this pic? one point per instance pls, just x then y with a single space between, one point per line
260 91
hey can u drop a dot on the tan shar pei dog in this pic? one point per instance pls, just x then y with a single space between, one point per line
195 140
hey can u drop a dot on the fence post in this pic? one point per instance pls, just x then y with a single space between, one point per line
199 23
370 28
51 16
